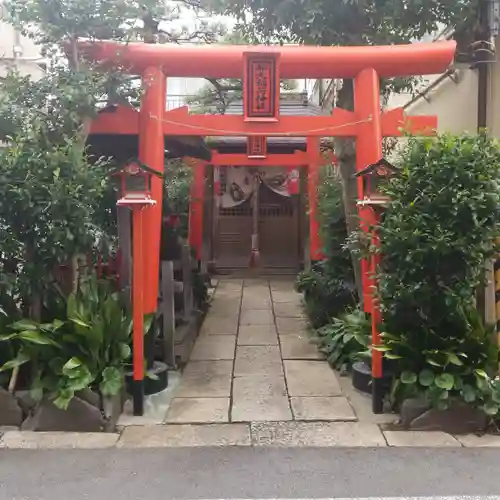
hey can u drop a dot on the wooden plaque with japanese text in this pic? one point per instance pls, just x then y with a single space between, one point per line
261 87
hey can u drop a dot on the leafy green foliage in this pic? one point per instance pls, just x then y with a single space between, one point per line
436 236
178 178
342 22
345 339
86 349
329 287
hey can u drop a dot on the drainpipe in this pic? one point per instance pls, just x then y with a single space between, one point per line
488 16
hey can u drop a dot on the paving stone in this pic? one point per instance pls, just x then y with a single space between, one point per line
229 285
282 285
188 435
335 409
58 440
299 347
253 360
211 379
316 434
226 295
256 303
311 378
269 384
286 297
214 347
256 317
288 310
260 398
257 335
220 311
286 326
475 441
198 410
256 283
427 439
250 409
219 326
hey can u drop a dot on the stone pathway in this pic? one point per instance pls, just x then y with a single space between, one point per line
254 379
254 362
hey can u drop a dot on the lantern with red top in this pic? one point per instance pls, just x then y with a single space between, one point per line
374 177
136 195
136 184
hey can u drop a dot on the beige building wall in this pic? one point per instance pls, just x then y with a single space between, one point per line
19 51
454 102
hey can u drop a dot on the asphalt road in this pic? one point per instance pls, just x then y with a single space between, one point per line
247 473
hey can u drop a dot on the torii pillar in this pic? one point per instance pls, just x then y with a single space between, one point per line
313 181
368 151
152 154
196 202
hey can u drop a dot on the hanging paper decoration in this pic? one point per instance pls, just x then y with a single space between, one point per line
293 181
236 192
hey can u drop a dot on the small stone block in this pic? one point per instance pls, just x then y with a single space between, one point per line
198 410
474 441
58 440
317 434
431 439
164 436
10 411
334 409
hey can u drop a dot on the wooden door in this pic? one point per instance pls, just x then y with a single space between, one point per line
234 237
278 230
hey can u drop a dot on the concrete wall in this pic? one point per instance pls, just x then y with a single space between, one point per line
28 53
453 102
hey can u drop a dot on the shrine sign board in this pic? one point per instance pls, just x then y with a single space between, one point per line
261 86
257 146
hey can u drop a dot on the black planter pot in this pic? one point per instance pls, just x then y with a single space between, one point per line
151 385
362 377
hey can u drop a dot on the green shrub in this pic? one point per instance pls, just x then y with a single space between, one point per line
345 339
329 287
436 237
326 295
86 348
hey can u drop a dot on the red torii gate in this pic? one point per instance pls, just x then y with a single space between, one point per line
261 68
